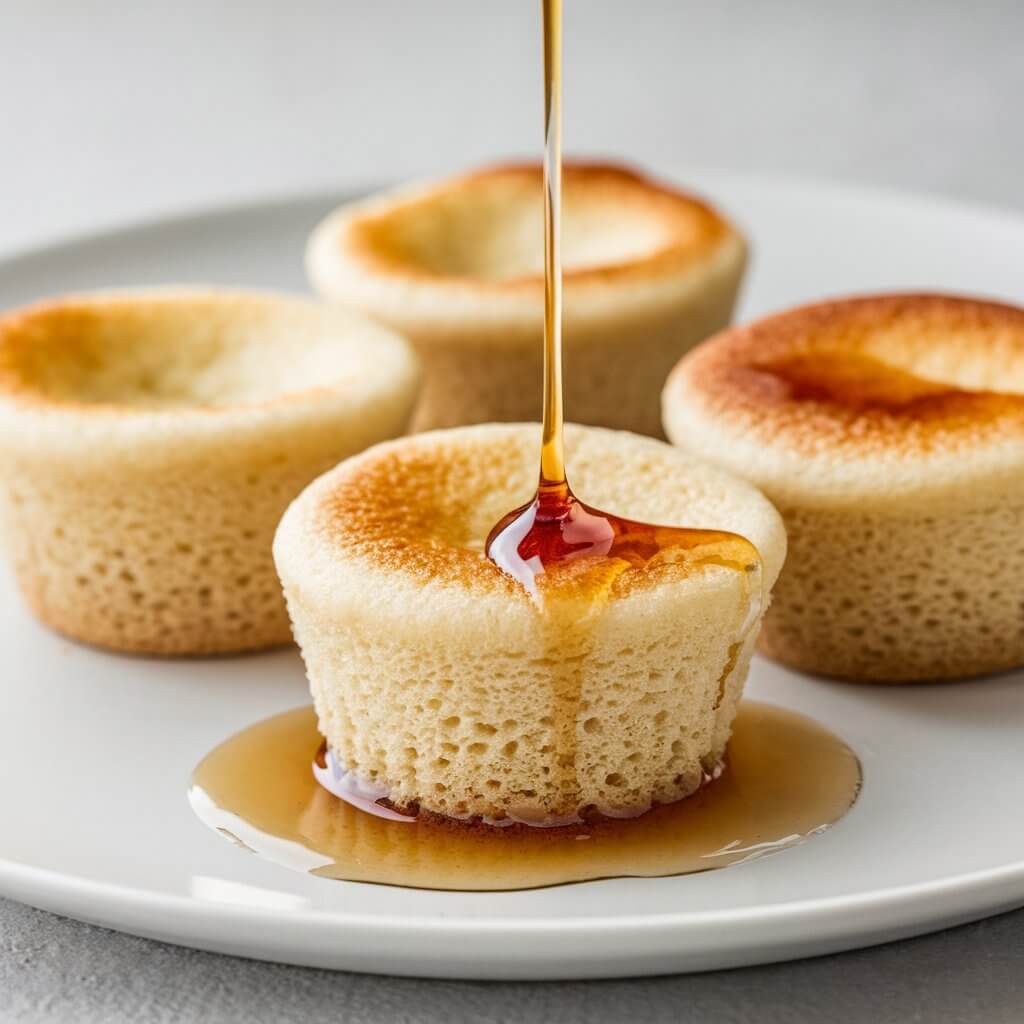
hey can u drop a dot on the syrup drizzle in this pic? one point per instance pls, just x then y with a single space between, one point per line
566 554
787 778
555 527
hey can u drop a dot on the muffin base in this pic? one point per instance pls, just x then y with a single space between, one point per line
136 572
902 595
615 365
645 728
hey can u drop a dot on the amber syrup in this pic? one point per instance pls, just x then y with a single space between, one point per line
785 777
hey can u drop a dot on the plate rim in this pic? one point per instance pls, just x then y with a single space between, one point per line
908 909
919 893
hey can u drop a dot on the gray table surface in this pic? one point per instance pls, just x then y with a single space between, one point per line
114 110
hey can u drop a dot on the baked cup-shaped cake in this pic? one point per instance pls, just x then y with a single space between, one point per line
441 684
457 267
150 441
889 432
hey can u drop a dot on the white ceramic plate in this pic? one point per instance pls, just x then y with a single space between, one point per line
96 750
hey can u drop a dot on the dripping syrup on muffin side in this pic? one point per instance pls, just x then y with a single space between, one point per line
566 554
787 780
555 528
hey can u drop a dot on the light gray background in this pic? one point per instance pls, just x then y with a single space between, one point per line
111 111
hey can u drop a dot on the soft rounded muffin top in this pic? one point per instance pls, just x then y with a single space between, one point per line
413 515
875 395
151 362
477 241
183 350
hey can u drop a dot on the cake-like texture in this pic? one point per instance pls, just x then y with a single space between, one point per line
457 267
150 442
889 432
435 675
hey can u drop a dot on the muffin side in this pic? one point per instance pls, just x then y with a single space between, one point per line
146 525
636 298
433 673
889 433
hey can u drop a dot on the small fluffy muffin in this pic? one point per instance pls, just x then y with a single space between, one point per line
439 681
889 432
150 441
457 266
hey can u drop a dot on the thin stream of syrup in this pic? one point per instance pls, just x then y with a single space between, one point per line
552 451
787 778
555 526
566 554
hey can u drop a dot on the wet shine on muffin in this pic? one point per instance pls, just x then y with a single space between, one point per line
437 680
889 432
150 441
457 267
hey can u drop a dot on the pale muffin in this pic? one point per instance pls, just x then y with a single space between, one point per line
889 432
150 441
457 267
438 680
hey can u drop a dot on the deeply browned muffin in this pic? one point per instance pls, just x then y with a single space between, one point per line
889 432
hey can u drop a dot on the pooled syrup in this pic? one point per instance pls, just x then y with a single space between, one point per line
786 779
275 790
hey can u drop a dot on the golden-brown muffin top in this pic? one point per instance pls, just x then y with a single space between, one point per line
420 508
485 227
470 249
185 350
890 374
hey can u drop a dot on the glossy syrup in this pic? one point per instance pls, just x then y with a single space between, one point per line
534 542
566 554
786 779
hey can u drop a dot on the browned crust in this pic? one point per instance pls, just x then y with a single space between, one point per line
420 508
842 374
696 227
391 507
60 325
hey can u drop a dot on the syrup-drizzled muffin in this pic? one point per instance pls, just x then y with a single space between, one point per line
457 267
150 441
440 683
889 432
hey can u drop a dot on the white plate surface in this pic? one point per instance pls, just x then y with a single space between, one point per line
97 749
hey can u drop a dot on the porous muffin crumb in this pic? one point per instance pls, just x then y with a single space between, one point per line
150 441
434 673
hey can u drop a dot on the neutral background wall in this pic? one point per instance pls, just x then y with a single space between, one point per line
115 110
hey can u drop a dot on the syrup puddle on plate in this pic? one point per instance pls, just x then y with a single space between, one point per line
786 779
